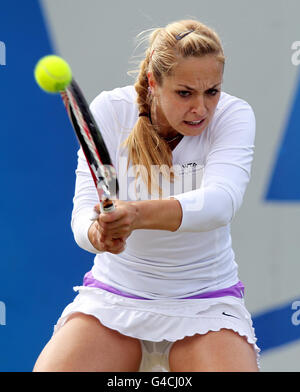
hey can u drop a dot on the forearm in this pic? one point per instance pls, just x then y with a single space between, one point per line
201 210
158 214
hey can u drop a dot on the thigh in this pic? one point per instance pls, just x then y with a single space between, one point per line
84 344
220 351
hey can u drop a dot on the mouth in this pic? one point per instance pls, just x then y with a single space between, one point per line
194 123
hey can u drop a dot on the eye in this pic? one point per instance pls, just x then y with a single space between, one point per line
183 93
212 92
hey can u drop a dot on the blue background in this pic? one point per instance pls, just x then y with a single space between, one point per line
40 261
285 179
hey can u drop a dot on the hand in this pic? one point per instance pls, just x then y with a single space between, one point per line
114 246
113 228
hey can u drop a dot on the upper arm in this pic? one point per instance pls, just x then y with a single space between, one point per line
105 117
226 172
228 163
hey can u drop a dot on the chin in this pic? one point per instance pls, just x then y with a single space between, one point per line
187 131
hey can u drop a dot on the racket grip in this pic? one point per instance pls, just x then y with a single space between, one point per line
107 205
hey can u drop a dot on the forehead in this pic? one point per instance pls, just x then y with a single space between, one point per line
194 71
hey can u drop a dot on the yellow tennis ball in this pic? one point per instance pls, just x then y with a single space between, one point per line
52 73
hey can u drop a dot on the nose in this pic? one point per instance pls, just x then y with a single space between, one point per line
199 106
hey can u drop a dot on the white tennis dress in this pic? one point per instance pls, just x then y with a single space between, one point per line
168 285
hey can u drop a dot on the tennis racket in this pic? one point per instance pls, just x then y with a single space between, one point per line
92 144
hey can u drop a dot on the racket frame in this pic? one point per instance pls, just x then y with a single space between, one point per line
92 145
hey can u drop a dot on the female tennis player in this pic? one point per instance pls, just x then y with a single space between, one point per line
164 293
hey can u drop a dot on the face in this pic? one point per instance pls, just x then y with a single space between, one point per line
186 101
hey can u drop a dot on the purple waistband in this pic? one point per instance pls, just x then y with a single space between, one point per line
236 290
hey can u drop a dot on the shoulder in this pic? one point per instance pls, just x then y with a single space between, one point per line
121 95
118 107
229 104
233 119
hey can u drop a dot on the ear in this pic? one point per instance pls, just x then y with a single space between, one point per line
151 81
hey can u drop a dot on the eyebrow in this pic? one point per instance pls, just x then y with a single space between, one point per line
192 89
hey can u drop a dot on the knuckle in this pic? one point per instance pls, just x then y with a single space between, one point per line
102 225
127 221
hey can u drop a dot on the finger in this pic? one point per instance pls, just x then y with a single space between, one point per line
97 208
113 237
94 215
102 237
110 217
107 233
117 248
113 243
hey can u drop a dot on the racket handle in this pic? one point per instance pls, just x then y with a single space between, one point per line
107 206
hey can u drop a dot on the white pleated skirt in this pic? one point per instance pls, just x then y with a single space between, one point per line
162 319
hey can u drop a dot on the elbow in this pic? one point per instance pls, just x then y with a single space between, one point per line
80 227
77 234
223 218
224 212
206 210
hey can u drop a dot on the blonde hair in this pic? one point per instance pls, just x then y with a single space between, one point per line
166 46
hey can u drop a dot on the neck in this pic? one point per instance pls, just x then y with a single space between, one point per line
170 139
162 126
